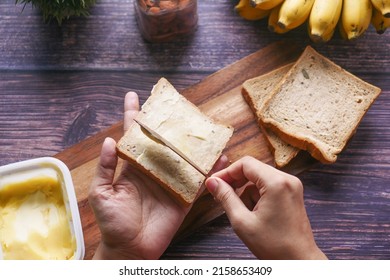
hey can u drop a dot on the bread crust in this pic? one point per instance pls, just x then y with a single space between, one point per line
302 143
181 199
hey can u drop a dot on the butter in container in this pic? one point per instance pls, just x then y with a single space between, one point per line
39 217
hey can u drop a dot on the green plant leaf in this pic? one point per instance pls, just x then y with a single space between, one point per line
60 9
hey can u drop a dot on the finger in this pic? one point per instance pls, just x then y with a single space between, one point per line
224 194
250 169
105 170
131 109
229 176
221 163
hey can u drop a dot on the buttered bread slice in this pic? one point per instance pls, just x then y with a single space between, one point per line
318 106
180 122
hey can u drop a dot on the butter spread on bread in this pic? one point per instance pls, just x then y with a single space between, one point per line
187 128
256 91
318 106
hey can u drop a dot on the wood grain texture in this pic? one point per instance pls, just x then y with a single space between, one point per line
61 85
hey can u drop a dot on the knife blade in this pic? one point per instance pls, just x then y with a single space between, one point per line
156 137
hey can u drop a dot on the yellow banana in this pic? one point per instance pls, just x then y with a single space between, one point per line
380 22
327 36
245 10
342 32
273 21
356 17
323 19
265 4
294 12
383 6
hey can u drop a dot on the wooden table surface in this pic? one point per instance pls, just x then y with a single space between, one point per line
60 85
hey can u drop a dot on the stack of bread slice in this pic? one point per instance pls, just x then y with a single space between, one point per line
312 105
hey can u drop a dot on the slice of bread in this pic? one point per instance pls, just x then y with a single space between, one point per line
256 92
318 106
187 128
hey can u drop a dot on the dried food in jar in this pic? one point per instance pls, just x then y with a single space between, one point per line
164 20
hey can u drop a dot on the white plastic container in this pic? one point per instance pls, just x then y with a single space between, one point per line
46 167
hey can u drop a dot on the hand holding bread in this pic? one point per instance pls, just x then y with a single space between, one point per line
132 209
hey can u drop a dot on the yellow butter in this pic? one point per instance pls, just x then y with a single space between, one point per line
34 223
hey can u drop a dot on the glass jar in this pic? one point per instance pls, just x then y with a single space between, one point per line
164 20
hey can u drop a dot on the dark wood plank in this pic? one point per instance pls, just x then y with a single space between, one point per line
221 39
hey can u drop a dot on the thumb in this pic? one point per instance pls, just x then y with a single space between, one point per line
105 170
230 201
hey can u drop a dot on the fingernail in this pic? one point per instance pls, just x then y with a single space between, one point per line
212 184
224 159
108 140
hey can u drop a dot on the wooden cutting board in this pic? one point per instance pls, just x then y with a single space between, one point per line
219 96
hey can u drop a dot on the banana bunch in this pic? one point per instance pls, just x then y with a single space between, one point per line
323 17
